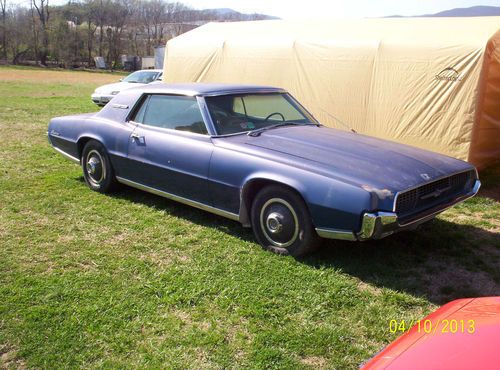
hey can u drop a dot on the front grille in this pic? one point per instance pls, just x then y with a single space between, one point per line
433 193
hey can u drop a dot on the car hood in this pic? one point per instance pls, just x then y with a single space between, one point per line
118 86
356 158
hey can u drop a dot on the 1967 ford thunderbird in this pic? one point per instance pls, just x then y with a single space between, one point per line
254 154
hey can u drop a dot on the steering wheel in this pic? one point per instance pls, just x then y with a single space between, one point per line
220 112
275 114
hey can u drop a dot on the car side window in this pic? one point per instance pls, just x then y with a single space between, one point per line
172 112
139 115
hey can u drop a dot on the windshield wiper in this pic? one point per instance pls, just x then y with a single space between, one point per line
281 124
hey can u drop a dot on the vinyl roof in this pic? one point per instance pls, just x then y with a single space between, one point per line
204 89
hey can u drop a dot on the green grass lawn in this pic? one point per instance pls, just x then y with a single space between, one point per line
131 280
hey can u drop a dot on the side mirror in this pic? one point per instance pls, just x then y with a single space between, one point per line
121 79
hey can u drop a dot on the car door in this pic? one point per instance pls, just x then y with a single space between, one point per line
170 150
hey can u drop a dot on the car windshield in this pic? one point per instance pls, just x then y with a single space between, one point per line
232 114
143 77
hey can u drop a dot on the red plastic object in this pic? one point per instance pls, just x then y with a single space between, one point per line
462 334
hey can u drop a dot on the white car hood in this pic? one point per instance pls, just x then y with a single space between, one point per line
119 86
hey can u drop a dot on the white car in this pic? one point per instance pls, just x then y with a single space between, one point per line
103 94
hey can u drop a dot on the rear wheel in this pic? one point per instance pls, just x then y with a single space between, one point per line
281 222
97 170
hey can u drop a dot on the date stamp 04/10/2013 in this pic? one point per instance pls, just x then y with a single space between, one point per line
432 327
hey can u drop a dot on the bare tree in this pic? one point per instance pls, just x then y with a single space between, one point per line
152 16
34 29
42 9
176 14
3 7
117 21
159 20
101 13
91 17
81 29
19 42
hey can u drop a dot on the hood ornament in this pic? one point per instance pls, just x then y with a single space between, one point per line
425 176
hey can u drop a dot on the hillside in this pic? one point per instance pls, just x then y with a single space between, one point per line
474 11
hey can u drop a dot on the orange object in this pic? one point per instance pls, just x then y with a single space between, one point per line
433 83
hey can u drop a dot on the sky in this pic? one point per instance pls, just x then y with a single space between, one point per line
293 9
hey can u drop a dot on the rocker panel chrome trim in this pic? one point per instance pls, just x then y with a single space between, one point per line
189 202
68 156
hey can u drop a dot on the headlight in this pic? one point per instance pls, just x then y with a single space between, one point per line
114 92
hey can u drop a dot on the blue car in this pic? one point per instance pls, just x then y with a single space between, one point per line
255 155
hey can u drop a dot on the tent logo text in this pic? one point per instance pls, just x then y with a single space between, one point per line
449 74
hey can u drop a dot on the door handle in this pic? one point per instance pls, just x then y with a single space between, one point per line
137 138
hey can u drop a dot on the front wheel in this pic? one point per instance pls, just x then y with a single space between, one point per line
97 170
281 222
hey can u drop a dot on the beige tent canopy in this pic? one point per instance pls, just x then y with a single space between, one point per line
428 82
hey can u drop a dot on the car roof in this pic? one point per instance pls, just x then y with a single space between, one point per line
205 89
148 70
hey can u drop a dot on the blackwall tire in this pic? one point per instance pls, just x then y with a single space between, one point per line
97 170
281 222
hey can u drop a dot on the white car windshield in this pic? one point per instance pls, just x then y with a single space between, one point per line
143 77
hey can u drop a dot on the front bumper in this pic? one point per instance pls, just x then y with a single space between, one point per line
100 99
377 225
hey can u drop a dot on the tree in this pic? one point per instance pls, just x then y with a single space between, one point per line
176 14
91 17
101 15
81 29
3 7
19 42
42 9
61 42
153 18
117 21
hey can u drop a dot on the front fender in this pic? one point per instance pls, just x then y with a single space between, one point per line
253 182
275 177
331 203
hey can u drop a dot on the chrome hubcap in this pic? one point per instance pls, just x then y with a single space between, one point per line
92 165
279 222
274 223
95 167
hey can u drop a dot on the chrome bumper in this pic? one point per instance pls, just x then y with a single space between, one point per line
101 99
377 225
